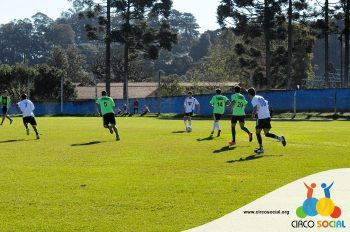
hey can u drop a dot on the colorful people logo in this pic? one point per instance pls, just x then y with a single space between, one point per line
323 206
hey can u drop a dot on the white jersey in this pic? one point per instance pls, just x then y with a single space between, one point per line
190 104
27 107
262 106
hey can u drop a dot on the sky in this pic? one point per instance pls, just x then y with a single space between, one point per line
203 10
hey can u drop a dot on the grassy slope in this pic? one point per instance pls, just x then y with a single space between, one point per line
155 179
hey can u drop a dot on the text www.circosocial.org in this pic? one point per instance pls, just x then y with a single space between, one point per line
285 212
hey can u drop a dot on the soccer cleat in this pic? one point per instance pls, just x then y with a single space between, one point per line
27 130
259 150
232 143
219 132
283 141
211 133
37 136
117 138
11 121
250 137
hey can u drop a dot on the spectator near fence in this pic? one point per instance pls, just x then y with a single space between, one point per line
145 110
136 106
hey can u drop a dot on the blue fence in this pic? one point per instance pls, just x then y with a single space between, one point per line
318 100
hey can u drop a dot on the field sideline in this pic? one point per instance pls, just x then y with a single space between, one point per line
157 178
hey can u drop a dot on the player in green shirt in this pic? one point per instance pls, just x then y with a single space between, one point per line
218 103
238 114
5 105
107 106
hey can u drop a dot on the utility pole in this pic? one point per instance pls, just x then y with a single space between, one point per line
326 49
346 45
108 49
290 46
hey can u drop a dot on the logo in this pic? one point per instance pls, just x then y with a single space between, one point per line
323 206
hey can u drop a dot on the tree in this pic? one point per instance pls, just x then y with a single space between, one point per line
201 48
61 34
71 62
178 61
221 63
186 28
345 6
263 27
16 41
15 79
48 82
138 38
170 86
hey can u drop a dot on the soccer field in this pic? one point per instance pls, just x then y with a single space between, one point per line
156 178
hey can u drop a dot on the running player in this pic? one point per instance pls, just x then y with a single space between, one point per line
5 105
189 106
107 106
238 114
26 106
218 103
261 107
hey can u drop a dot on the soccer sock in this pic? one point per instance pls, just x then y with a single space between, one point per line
36 131
185 121
271 135
245 129
116 131
258 136
217 123
233 131
214 126
190 123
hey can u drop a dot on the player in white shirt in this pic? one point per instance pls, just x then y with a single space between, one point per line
26 106
263 122
190 104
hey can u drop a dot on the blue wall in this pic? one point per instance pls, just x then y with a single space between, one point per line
318 100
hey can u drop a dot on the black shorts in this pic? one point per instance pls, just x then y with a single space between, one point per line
235 118
190 114
217 117
264 123
4 110
30 120
108 118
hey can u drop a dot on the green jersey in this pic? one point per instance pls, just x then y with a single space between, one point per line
219 103
106 105
5 101
238 104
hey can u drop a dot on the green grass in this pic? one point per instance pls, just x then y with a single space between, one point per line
78 178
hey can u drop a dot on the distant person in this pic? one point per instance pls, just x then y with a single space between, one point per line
5 106
218 103
125 110
118 111
26 107
107 105
238 114
263 122
136 106
189 107
145 110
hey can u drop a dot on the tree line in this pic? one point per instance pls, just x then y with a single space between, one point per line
265 43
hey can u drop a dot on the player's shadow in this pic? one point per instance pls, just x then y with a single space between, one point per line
86 144
178 132
223 149
11 140
210 137
248 158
